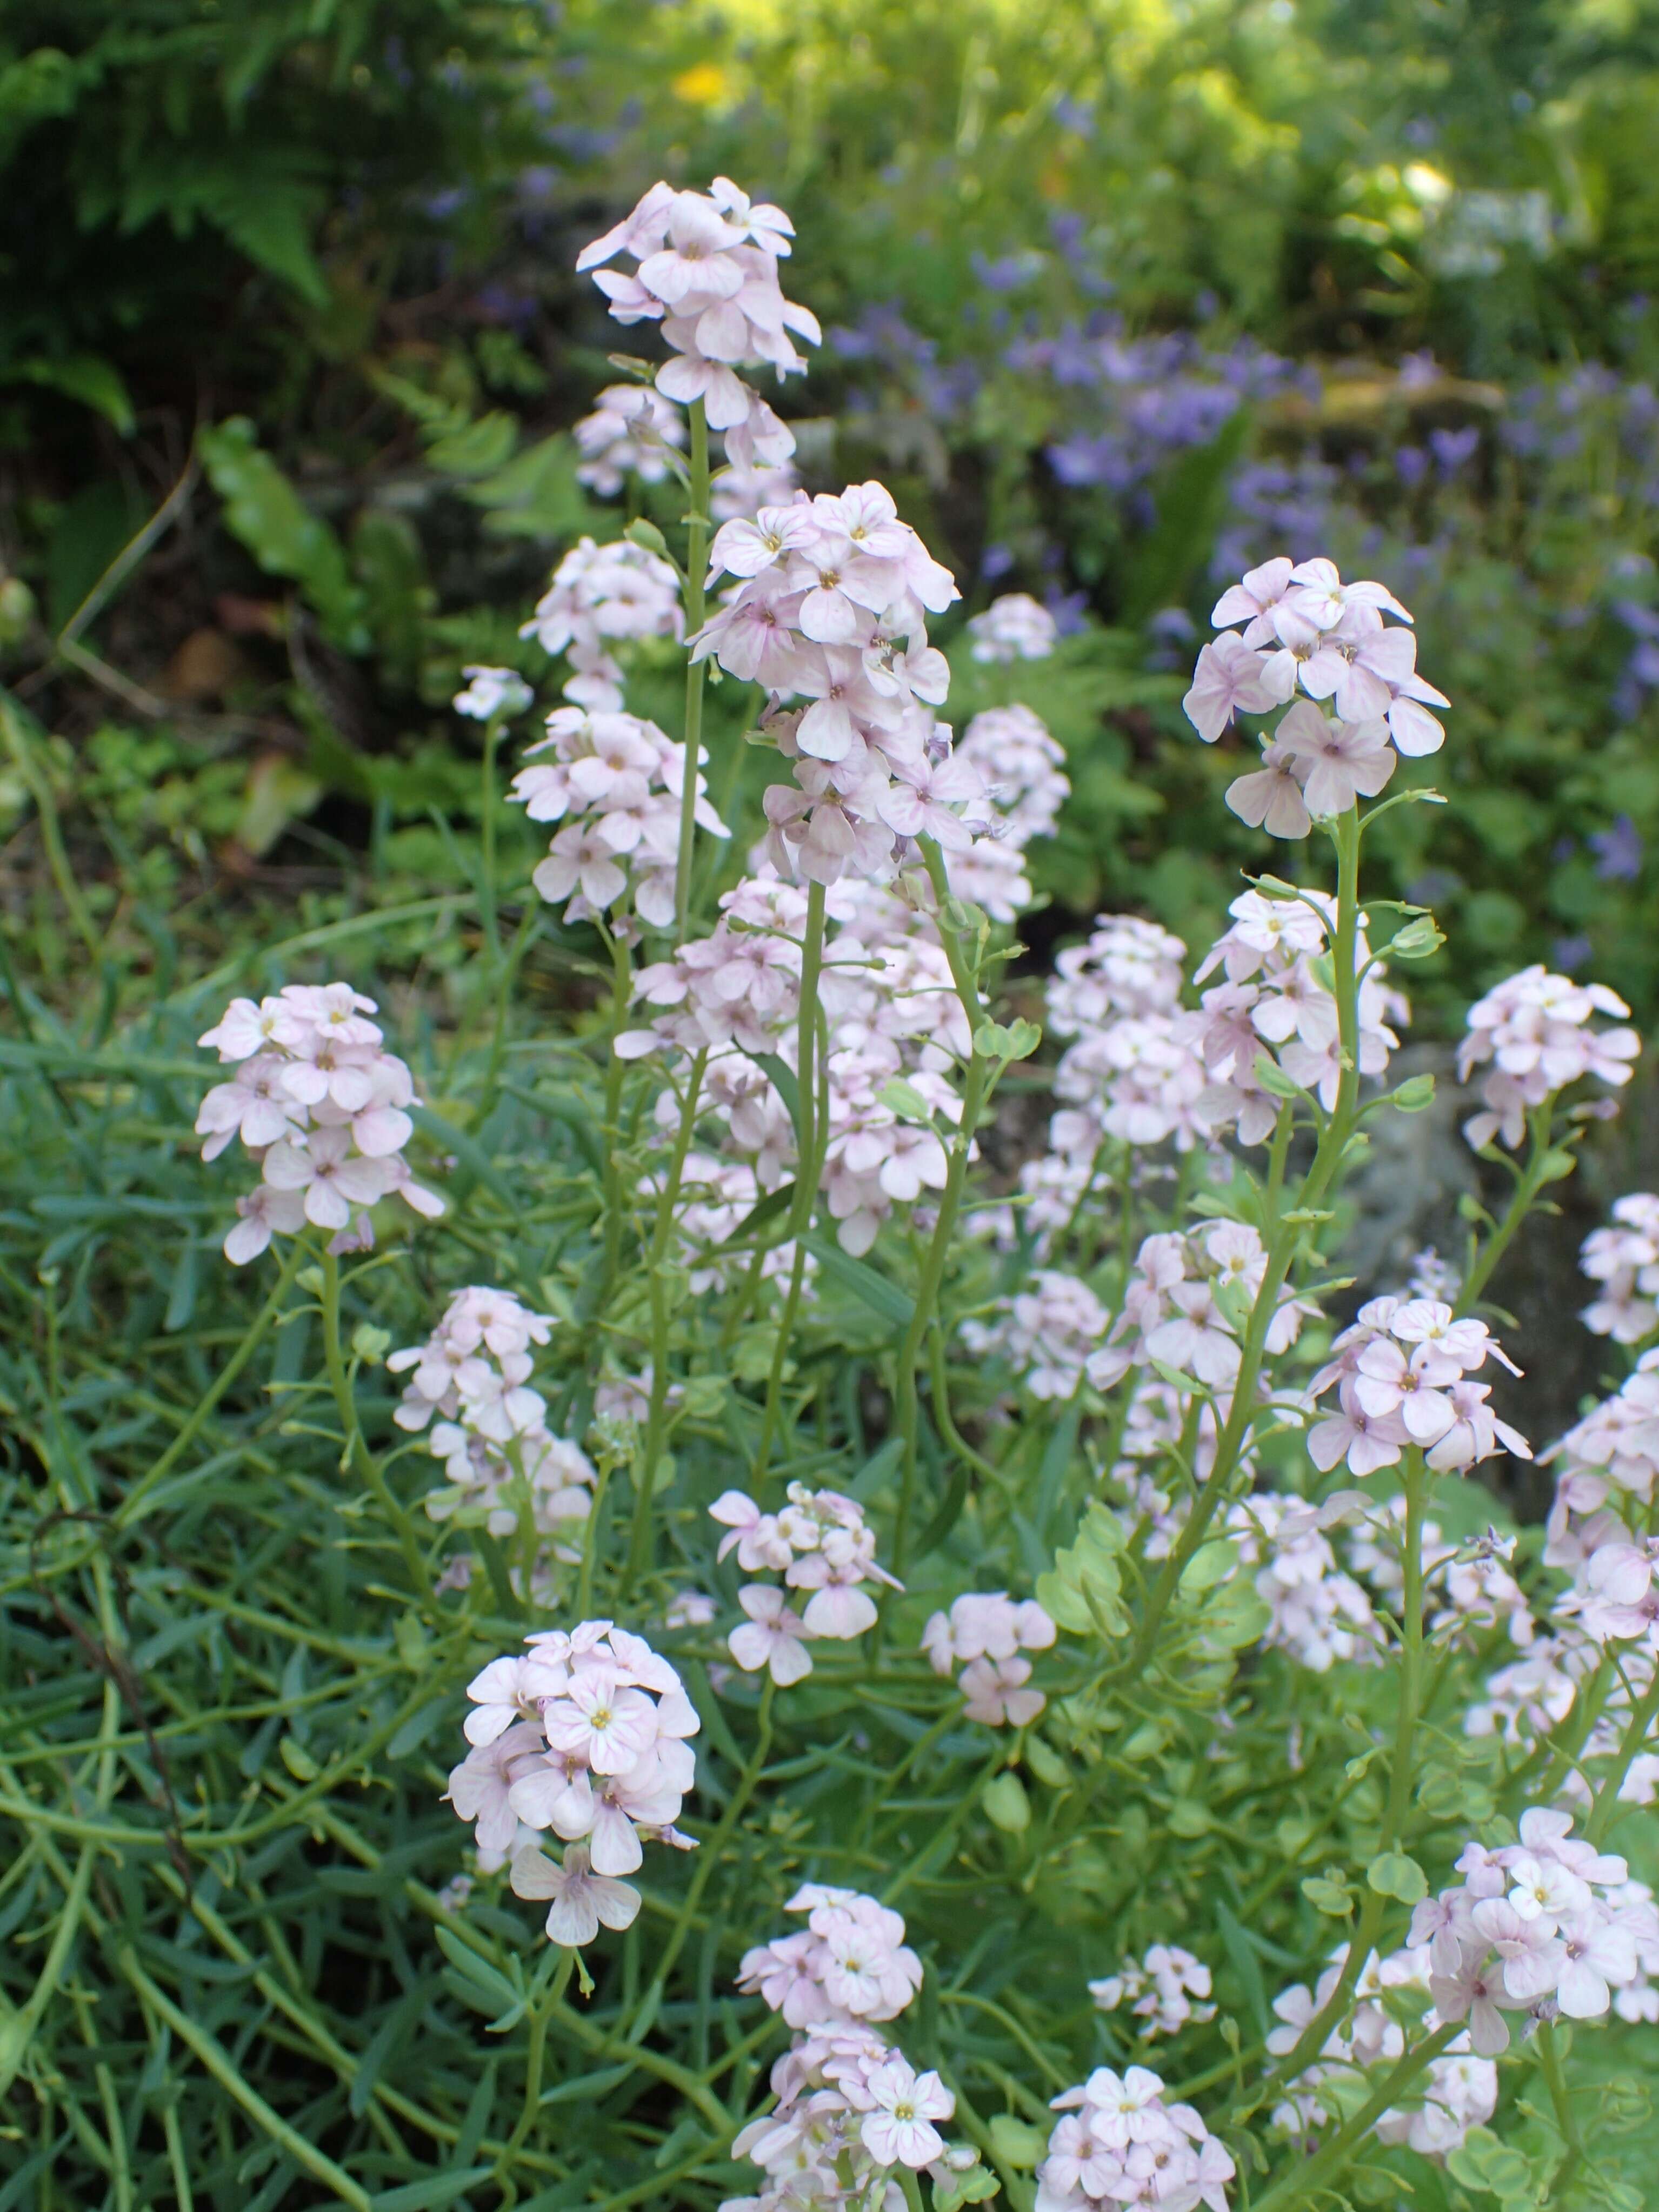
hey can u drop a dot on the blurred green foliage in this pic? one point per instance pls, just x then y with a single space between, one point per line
320 251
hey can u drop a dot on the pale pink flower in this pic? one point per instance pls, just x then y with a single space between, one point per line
899 2131
581 1900
771 1637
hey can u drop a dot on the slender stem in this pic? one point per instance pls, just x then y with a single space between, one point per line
363 1460
1602 1811
221 1383
1532 1179
906 1418
1411 1671
1312 2174
1281 1249
696 553
38 781
810 1138
533 2058
639 1542
711 1853
1549 2061
492 737
615 1068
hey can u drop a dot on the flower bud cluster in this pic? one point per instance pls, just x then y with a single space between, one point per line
1546 1925
820 1542
586 1735
708 272
626 435
1278 1000
1534 1030
1159 1989
615 783
600 596
984 1633
1624 1260
321 1105
472 1374
1120 2144
1015 627
1402 1375
1304 630
1459 2090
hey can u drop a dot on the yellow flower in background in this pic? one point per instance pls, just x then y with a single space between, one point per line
701 86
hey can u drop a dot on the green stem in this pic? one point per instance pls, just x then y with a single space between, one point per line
363 1462
810 1140
711 1853
38 782
1606 1806
696 554
1313 2174
486 910
1281 1249
616 1069
217 2063
639 1541
227 1375
906 1417
1533 1178
1549 2061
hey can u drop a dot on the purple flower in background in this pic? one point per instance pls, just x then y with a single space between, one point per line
996 562
1074 115
1418 371
1617 851
1453 449
1068 608
495 303
1569 953
1009 272
1411 466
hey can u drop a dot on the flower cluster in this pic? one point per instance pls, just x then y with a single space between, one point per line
820 1543
1459 2090
1048 1332
984 1633
1188 1298
1159 1989
1304 630
615 783
321 1105
708 272
491 692
600 596
850 2109
1022 768
627 435
1544 1926
850 1966
1318 1613
830 608
1120 2144
1401 1373
473 1375
1534 1029
1015 627
1275 1001
893 1014
585 1735
1624 1260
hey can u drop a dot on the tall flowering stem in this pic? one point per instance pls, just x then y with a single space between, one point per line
696 556
639 1542
809 1140
363 1460
1286 1227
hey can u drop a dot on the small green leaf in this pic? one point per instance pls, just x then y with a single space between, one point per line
1415 1093
1006 1806
1395 1874
1017 2142
1329 1897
